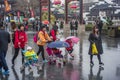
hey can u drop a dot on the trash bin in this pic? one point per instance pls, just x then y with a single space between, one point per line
114 31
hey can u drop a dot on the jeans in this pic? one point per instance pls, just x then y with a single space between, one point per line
3 63
41 50
16 54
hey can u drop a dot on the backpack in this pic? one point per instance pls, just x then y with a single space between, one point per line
35 38
13 36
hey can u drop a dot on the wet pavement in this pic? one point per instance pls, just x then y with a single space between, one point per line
77 69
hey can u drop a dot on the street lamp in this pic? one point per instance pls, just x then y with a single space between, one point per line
66 11
40 7
81 11
49 11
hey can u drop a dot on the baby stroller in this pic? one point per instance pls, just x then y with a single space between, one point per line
31 59
54 55
70 48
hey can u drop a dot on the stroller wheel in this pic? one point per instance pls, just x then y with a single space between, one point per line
30 70
49 62
59 64
40 68
22 69
64 63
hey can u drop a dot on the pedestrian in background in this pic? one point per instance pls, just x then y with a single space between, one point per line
53 33
4 40
19 41
72 27
55 25
94 37
43 38
61 25
99 25
76 26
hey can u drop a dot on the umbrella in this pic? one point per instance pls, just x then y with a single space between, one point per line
104 20
45 22
25 19
56 2
32 19
58 44
44 9
73 6
12 20
73 38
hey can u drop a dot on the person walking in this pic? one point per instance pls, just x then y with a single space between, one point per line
43 38
61 25
94 37
55 25
53 33
76 26
72 26
99 25
19 41
4 40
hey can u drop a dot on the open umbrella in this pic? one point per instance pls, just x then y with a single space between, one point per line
25 19
12 20
73 6
104 20
45 22
31 19
44 9
73 38
56 2
58 44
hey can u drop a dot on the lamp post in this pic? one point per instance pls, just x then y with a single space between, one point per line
81 11
40 12
66 11
49 12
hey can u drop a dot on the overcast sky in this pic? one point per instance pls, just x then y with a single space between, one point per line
88 0
105 0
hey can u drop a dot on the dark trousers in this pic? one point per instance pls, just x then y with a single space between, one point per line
3 63
16 54
41 50
98 56
100 31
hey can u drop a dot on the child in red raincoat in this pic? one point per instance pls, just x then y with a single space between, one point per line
70 48
19 41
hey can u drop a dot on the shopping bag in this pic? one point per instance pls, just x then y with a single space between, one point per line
94 49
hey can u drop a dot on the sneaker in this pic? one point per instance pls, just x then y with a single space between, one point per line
0 69
91 64
72 58
101 64
6 72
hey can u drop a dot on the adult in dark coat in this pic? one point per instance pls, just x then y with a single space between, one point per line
61 25
76 25
4 40
94 37
72 27
100 25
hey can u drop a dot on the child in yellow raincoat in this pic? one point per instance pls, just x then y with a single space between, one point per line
31 58
30 54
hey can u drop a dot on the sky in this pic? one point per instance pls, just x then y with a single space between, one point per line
92 0
88 0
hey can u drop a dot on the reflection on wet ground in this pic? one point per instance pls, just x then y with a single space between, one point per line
77 69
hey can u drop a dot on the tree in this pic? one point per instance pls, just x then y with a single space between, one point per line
45 17
26 5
